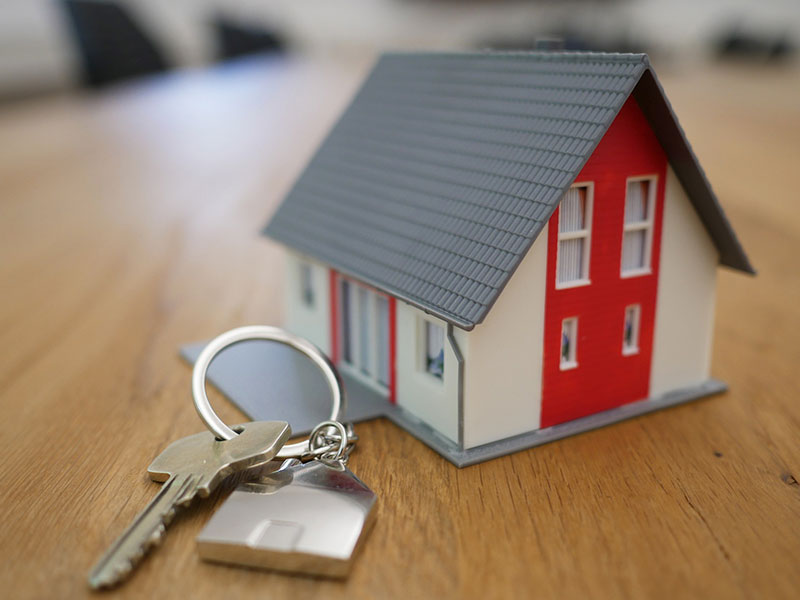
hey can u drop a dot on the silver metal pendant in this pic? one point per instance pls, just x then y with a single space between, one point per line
305 518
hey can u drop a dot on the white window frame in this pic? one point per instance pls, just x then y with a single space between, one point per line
646 225
571 362
308 293
585 233
367 371
422 349
637 319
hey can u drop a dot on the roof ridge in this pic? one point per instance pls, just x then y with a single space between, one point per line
561 55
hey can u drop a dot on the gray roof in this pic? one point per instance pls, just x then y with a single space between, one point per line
444 169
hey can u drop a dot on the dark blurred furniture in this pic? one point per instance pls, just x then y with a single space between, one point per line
113 45
736 43
234 39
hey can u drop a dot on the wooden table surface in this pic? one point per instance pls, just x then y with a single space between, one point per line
128 225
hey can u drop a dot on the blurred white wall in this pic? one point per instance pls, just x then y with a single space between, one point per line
34 48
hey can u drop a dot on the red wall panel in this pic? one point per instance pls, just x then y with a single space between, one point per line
604 377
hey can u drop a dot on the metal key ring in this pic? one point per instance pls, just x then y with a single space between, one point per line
273 334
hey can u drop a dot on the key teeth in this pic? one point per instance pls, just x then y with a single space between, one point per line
157 536
122 569
179 491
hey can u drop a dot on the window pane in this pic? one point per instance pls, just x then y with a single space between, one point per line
573 210
628 328
306 284
382 312
636 201
570 260
630 340
364 346
347 342
634 244
568 341
434 349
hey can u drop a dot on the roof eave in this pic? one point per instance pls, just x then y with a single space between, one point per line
657 109
444 316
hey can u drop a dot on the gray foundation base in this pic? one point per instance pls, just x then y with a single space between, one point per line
471 456
270 381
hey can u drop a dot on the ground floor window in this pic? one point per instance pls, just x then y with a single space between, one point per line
364 320
630 330
307 284
433 355
569 343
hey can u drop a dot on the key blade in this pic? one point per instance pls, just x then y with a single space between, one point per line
191 466
145 532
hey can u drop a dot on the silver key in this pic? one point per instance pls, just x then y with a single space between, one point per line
191 466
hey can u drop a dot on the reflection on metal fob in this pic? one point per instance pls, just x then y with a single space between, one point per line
305 518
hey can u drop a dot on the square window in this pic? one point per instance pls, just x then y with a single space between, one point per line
307 284
574 225
638 228
634 251
637 201
573 210
630 330
569 343
434 349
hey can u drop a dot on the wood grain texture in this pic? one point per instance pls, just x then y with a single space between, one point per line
128 226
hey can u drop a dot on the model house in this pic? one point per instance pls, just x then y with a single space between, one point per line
506 248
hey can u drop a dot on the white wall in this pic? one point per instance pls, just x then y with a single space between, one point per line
434 401
503 378
37 53
686 294
312 323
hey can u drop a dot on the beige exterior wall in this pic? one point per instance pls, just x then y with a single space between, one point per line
432 400
503 375
686 294
312 323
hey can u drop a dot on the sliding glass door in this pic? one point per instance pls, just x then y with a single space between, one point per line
364 321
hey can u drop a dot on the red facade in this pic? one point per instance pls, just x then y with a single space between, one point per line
605 377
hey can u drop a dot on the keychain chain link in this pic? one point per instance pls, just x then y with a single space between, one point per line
332 441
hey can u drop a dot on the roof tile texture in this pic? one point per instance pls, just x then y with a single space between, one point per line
445 168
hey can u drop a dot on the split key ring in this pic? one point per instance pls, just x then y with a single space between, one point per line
273 334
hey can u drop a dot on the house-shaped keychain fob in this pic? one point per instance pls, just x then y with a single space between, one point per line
303 518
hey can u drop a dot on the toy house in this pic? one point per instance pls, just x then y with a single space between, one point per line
507 248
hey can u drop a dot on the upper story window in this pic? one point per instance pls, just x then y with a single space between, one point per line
574 229
433 359
307 284
630 329
569 343
638 230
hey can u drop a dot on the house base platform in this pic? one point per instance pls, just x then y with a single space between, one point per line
272 382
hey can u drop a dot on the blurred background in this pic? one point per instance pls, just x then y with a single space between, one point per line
49 46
